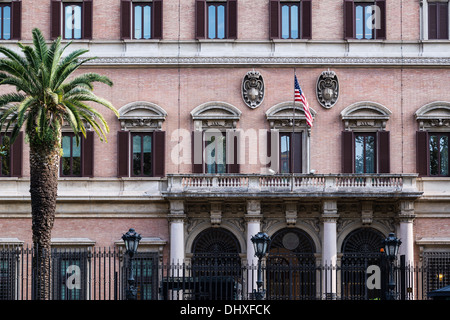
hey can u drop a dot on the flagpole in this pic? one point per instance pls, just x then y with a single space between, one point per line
293 134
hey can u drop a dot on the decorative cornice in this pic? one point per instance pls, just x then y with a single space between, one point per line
201 61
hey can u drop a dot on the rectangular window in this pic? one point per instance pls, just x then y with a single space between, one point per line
438 148
437 269
5 158
72 20
365 153
216 20
290 20
5 21
69 275
71 156
363 20
8 276
142 21
290 152
285 153
215 153
438 20
145 273
142 154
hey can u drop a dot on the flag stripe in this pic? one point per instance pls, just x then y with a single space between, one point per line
299 96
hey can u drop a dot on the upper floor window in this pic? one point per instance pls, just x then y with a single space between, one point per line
439 154
5 18
365 153
141 20
287 149
290 19
216 19
364 20
141 142
365 141
438 20
432 139
71 156
71 20
142 13
77 159
11 161
142 154
10 20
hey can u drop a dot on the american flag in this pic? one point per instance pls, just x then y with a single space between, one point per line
300 97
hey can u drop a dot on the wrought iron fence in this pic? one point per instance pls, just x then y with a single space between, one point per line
102 273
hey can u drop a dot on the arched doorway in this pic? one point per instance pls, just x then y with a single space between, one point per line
291 269
216 265
361 249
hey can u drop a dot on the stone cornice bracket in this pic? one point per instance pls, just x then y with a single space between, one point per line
291 213
406 213
216 213
330 212
176 211
253 211
366 212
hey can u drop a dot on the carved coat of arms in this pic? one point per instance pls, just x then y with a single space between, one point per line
327 89
253 89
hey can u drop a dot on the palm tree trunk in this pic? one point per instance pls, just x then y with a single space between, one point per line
44 166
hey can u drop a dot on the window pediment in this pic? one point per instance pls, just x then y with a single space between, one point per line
282 115
215 114
434 115
141 115
365 115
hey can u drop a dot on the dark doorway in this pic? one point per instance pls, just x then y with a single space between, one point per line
361 249
291 269
216 265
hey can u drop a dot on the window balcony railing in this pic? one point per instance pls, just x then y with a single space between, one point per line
306 185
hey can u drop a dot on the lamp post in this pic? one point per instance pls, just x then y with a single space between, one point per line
391 245
131 240
260 242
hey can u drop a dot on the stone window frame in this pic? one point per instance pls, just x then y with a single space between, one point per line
424 20
215 116
141 117
281 118
433 117
366 117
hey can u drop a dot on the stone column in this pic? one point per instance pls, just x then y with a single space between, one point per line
406 219
329 248
176 221
253 218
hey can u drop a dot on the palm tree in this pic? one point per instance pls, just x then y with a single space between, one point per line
48 95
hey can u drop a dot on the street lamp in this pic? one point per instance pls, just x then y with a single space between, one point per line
260 242
131 240
391 245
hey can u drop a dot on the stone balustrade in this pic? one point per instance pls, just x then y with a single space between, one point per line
298 185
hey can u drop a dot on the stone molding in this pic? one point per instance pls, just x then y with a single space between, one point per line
365 115
434 116
141 115
285 61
